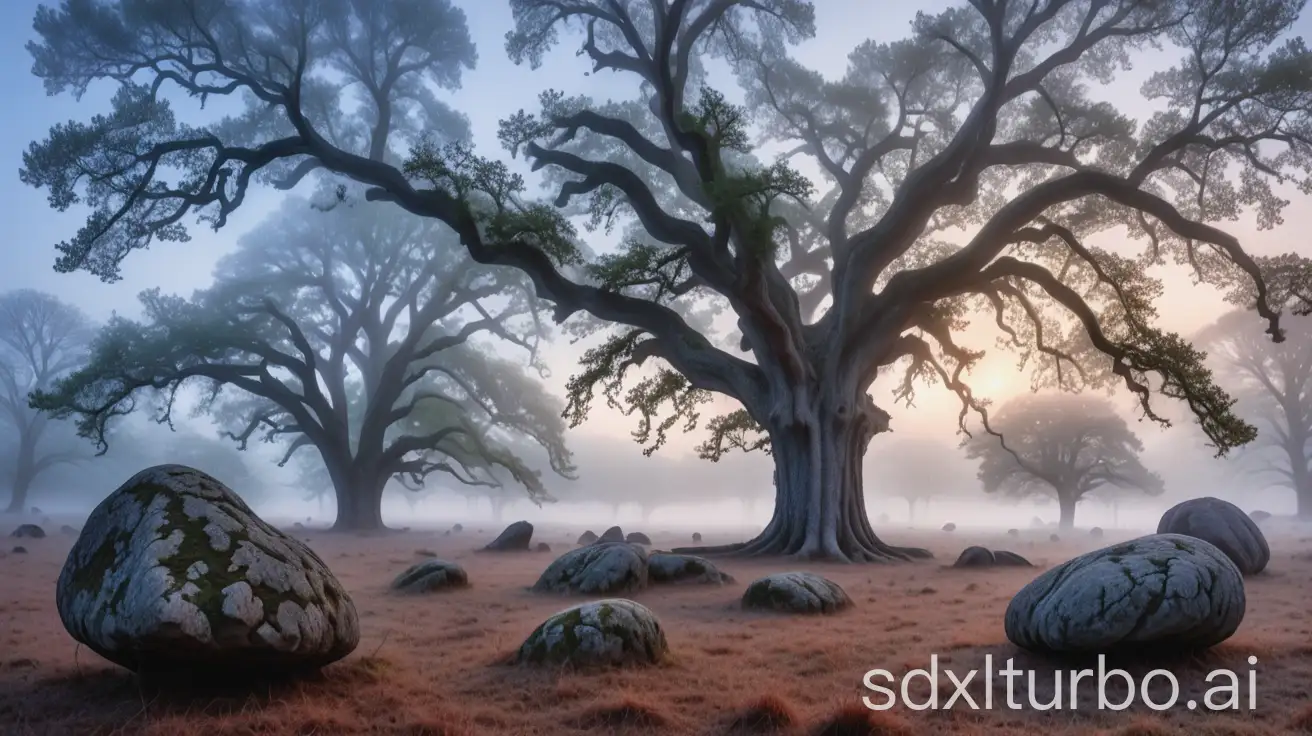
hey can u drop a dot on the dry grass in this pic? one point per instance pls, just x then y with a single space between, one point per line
434 665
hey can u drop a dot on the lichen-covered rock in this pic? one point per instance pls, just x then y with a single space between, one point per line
603 567
173 571
974 557
429 576
637 538
613 534
29 531
795 592
1223 524
666 567
1165 590
1003 558
588 537
614 631
515 538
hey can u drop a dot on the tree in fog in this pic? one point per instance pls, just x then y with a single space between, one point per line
41 339
1274 385
963 169
918 470
1062 446
352 332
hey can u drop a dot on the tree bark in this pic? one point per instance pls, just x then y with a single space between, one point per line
359 492
820 511
1066 502
24 472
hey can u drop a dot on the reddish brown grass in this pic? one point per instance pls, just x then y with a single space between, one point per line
431 665
854 719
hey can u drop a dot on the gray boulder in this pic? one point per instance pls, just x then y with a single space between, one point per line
974 557
1224 525
949 527
612 631
1165 591
1260 516
515 538
70 531
28 531
1003 558
613 534
795 592
587 537
174 572
429 576
666 567
604 567
637 538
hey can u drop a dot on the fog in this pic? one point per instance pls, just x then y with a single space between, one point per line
615 483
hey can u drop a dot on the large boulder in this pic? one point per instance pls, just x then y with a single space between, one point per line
587 537
603 567
613 534
974 557
429 576
1224 525
515 538
29 531
666 567
1003 558
795 592
613 631
174 572
1165 591
637 538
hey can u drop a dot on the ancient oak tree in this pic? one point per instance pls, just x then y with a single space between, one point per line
354 332
971 166
41 339
1063 446
1273 382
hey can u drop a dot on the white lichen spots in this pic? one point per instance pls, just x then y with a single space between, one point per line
196 569
264 570
240 603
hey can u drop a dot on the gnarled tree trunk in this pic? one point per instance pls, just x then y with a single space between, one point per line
359 492
820 508
24 467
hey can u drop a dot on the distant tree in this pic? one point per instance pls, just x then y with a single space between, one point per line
1063 446
41 339
962 170
1274 384
349 331
917 470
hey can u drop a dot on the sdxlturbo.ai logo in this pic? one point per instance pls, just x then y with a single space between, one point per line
1225 694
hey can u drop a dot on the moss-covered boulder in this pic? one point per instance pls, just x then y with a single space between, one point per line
174 572
613 631
429 576
666 567
1223 524
1166 591
795 592
603 567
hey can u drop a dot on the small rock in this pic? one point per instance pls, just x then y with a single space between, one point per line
1166 590
665 567
1224 525
29 531
429 576
1013 532
19 550
612 631
457 528
949 527
696 536
425 553
795 592
446 533
1003 558
298 525
515 538
543 547
613 534
603 567
974 557
1054 538
1096 532
587 537
638 538
70 531
1259 516
1038 523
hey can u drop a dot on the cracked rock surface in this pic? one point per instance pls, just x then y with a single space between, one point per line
667 567
1223 524
173 571
795 592
1164 591
602 567
429 576
611 631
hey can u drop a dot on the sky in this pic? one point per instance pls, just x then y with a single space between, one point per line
492 91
